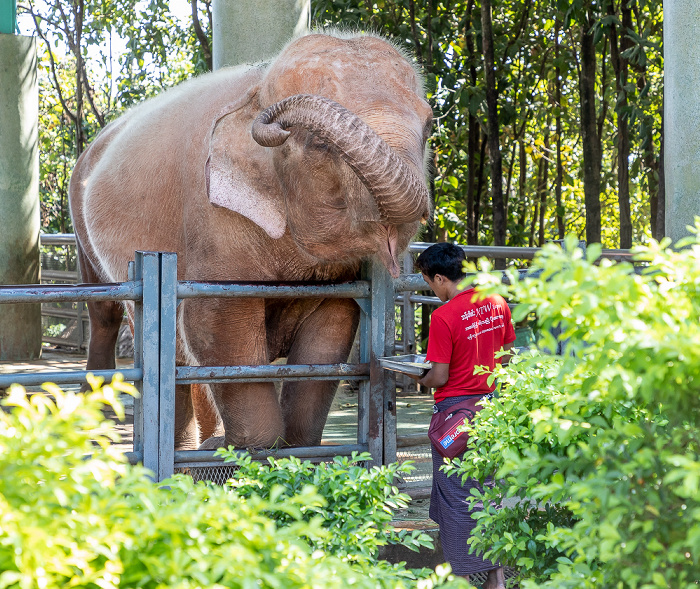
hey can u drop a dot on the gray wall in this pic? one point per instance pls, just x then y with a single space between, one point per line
248 31
20 325
681 114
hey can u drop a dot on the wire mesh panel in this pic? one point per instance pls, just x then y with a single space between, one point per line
216 474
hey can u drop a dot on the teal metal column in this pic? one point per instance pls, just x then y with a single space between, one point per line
20 325
248 31
681 115
8 17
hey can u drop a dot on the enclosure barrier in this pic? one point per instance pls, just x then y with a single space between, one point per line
155 291
153 288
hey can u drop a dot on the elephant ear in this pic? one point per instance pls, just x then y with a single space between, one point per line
232 173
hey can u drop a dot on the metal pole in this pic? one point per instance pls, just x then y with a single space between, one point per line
168 321
150 342
8 17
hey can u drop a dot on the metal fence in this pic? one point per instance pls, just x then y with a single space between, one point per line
154 289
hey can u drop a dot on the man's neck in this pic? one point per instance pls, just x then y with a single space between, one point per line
452 289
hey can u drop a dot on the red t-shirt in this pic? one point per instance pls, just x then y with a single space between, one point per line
464 334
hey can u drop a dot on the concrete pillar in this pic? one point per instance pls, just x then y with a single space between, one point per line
248 31
681 115
20 325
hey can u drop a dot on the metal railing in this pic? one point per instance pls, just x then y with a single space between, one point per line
154 290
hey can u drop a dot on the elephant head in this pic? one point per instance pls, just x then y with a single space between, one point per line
341 126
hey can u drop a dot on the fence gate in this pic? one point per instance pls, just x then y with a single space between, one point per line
155 291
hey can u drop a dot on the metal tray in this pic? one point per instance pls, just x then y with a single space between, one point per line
408 364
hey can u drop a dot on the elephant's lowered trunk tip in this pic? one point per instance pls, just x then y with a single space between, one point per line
269 134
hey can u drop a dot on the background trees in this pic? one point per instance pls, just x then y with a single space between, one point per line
578 105
571 106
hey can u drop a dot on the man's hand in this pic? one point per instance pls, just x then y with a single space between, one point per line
435 377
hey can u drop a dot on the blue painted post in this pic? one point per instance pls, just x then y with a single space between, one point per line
150 342
363 413
168 321
382 396
135 274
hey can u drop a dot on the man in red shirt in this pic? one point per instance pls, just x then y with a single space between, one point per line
465 332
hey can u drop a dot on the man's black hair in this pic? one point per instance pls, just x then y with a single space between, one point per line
442 258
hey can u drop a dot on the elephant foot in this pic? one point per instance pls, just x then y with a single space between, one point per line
213 443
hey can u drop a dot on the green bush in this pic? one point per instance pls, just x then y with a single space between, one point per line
358 504
74 513
596 451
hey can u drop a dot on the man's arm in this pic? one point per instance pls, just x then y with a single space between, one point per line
435 377
505 359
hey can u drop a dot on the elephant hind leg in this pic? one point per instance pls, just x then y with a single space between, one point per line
105 320
205 412
186 434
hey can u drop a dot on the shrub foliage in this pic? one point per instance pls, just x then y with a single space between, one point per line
74 513
595 451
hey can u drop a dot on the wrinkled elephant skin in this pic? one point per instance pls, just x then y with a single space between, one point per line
296 171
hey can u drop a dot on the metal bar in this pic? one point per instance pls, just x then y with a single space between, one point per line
58 293
472 251
425 300
380 381
151 357
57 239
519 253
270 378
60 313
63 275
134 457
80 325
410 282
185 458
197 374
168 311
135 272
364 386
411 440
487 251
66 377
408 327
187 289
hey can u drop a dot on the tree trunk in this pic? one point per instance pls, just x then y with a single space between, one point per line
474 131
618 44
479 189
200 34
499 217
561 227
589 133
522 184
472 146
80 139
511 166
543 186
661 200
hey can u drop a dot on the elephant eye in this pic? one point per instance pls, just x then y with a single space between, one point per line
315 142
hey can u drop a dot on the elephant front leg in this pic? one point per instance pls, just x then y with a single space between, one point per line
324 337
232 333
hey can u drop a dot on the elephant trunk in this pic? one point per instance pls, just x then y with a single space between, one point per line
401 196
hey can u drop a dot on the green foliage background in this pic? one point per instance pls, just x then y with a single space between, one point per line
538 64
